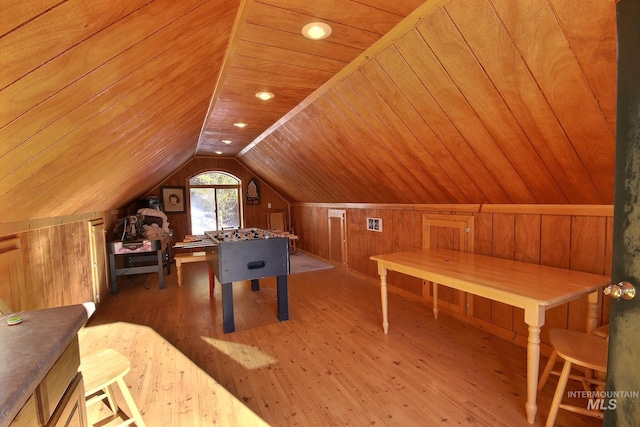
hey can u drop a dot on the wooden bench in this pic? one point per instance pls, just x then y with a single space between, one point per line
194 257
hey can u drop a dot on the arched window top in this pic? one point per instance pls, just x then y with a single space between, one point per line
214 178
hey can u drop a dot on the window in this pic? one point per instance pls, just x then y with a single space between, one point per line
214 202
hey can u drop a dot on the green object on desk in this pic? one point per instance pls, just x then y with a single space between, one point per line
14 320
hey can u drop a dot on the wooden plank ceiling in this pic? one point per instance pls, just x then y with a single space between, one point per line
461 101
484 101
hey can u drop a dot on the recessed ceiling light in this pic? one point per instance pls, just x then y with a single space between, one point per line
226 141
316 31
218 152
240 125
265 96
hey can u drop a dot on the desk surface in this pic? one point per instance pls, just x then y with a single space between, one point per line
30 349
512 282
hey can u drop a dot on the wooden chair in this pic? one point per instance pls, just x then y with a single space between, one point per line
575 348
4 308
276 223
601 331
101 370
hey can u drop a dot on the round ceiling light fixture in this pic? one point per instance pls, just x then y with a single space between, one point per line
226 141
265 96
240 125
316 31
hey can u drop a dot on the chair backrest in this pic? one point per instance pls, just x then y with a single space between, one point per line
276 221
4 308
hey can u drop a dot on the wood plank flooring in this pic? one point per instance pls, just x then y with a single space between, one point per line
329 365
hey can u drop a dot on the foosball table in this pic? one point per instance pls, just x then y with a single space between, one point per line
249 254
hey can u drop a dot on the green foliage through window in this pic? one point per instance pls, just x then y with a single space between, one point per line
214 202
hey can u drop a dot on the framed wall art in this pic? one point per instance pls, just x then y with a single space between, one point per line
374 224
253 192
173 199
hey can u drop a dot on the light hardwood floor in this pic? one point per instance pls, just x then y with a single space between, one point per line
329 365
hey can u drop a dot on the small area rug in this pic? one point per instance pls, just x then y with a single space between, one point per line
301 263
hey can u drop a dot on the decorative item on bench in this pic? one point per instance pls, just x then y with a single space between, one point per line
147 223
131 227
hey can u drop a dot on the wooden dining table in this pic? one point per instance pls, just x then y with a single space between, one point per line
532 287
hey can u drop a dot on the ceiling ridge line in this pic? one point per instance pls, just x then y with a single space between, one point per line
411 21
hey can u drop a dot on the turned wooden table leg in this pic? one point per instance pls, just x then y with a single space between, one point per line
383 296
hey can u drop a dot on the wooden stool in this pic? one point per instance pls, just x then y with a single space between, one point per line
576 348
600 331
194 257
100 371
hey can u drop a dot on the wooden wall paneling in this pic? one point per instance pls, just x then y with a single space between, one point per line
580 23
483 230
308 227
355 237
64 98
55 272
406 125
331 161
400 234
321 232
15 14
98 262
11 277
503 236
376 111
435 79
555 244
373 132
374 243
503 239
445 133
35 253
588 249
506 69
337 236
312 231
396 223
43 112
362 142
420 120
82 91
55 32
96 160
337 135
480 92
562 80
527 238
527 249
81 265
315 176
